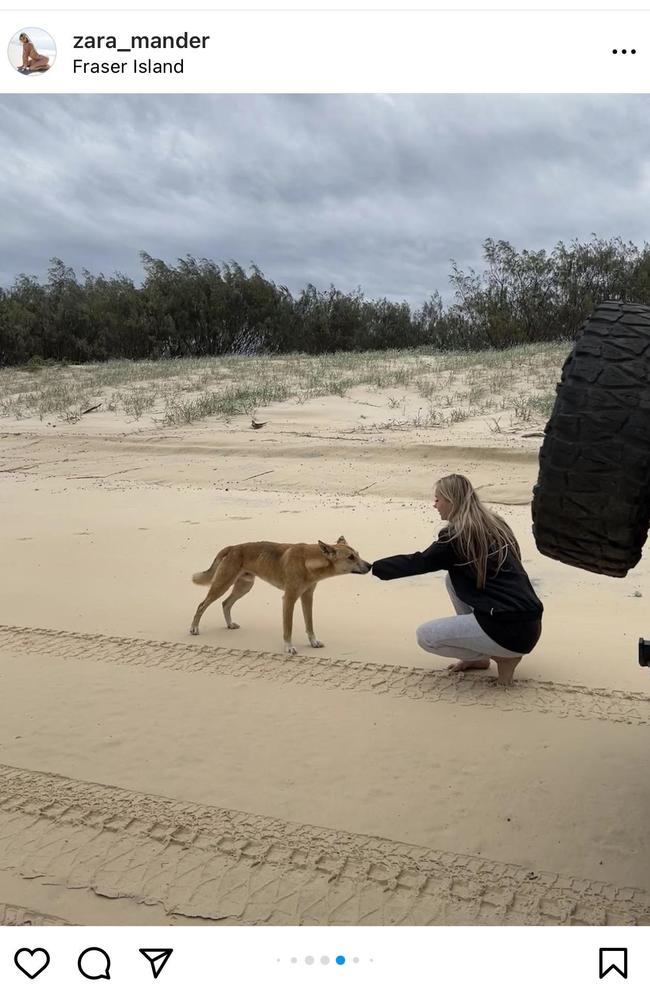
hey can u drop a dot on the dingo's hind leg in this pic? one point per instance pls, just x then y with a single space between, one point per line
243 584
223 578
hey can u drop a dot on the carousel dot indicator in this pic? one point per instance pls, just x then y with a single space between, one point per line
340 959
324 960
309 960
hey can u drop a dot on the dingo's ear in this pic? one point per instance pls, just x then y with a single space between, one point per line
341 541
326 549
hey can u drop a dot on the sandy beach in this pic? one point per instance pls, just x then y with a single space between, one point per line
150 776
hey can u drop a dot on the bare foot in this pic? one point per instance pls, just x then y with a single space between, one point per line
462 665
505 669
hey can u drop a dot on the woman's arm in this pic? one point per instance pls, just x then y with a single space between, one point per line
437 556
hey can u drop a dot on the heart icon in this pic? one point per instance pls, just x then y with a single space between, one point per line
32 962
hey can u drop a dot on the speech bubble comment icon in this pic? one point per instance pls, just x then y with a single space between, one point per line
94 963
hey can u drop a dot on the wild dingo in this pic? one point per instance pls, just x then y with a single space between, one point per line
294 569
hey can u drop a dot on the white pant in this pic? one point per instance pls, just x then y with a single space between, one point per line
459 637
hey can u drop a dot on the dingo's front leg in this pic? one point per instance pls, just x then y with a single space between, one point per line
307 600
288 602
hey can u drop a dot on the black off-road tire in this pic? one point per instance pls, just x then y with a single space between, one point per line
591 504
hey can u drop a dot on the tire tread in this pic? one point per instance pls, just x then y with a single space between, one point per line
591 503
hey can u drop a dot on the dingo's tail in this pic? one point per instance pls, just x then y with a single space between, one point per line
205 578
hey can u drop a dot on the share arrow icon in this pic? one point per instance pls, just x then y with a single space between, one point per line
157 958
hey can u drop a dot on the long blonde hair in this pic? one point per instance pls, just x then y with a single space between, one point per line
476 531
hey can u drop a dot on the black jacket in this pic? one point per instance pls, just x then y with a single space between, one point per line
507 608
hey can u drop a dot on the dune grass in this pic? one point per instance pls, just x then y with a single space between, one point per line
453 386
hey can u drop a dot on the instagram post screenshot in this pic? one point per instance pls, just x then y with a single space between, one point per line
324 492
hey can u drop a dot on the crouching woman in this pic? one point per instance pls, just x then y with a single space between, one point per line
498 614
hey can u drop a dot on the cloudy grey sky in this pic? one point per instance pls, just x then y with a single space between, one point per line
373 191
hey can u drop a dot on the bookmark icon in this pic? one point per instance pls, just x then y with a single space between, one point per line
157 958
612 960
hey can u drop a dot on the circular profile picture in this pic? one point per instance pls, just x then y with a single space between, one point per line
32 51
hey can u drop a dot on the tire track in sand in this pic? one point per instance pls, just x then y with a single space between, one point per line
12 915
564 700
238 868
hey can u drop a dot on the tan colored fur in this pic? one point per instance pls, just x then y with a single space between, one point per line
293 569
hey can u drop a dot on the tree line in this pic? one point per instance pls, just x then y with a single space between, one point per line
198 307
